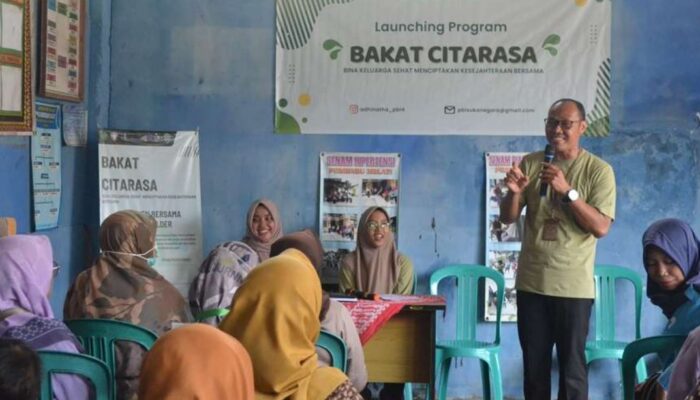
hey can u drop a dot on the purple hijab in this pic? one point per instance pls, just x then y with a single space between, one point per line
677 239
26 270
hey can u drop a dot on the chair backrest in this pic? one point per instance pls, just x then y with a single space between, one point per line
98 337
336 346
639 348
605 278
467 289
214 312
56 362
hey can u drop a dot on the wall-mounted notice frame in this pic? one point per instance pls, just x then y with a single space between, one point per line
16 102
62 49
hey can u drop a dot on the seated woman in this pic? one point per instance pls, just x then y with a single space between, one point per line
220 274
376 266
264 226
672 262
275 315
122 285
335 318
197 361
26 275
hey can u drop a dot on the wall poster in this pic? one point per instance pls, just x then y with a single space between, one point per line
157 173
62 31
349 184
46 165
503 241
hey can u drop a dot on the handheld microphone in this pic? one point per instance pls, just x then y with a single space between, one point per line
548 158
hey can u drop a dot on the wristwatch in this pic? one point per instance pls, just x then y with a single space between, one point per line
571 195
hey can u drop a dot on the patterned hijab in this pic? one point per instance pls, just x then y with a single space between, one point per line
220 275
376 270
197 361
26 271
275 315
121 285
677 239
262 248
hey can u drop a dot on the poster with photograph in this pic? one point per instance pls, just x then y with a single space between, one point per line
503 241
351 182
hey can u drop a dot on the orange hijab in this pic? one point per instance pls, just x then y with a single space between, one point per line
275 315
197 361
376 270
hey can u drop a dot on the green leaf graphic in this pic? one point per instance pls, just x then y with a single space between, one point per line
552 50
333 47
552 39
331 44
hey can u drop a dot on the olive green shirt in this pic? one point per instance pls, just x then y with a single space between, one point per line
404 284
562 267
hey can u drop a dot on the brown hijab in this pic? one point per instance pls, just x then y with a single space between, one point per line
376 270
262 248
120 285
197 361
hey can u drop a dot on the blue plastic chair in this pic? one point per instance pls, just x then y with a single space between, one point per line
98 337
634 351
56 362
605 344
465 343
337 348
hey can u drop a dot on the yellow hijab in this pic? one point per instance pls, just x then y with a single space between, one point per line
275 315
197 361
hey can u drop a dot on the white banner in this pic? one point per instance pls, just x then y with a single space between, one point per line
502 241
350 183
489 67
157 173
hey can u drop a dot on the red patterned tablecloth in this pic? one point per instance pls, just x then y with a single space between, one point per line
369 315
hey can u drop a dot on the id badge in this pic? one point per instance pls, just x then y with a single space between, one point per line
550 230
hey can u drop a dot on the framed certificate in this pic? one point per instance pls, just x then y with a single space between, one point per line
62 50
16 103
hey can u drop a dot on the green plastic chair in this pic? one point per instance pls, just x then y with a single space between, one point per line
213 312
337 348
605 345
57 362
637 349
98 337
465 343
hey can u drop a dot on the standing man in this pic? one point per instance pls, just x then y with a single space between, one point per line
555 272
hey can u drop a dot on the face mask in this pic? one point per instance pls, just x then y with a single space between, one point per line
151 261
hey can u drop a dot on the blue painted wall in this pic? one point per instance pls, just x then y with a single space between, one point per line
210 65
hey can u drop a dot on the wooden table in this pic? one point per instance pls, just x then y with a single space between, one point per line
403 349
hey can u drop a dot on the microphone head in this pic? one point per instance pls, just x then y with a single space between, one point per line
548 153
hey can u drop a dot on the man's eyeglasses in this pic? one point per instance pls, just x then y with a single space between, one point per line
552 123
373 226
55 268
